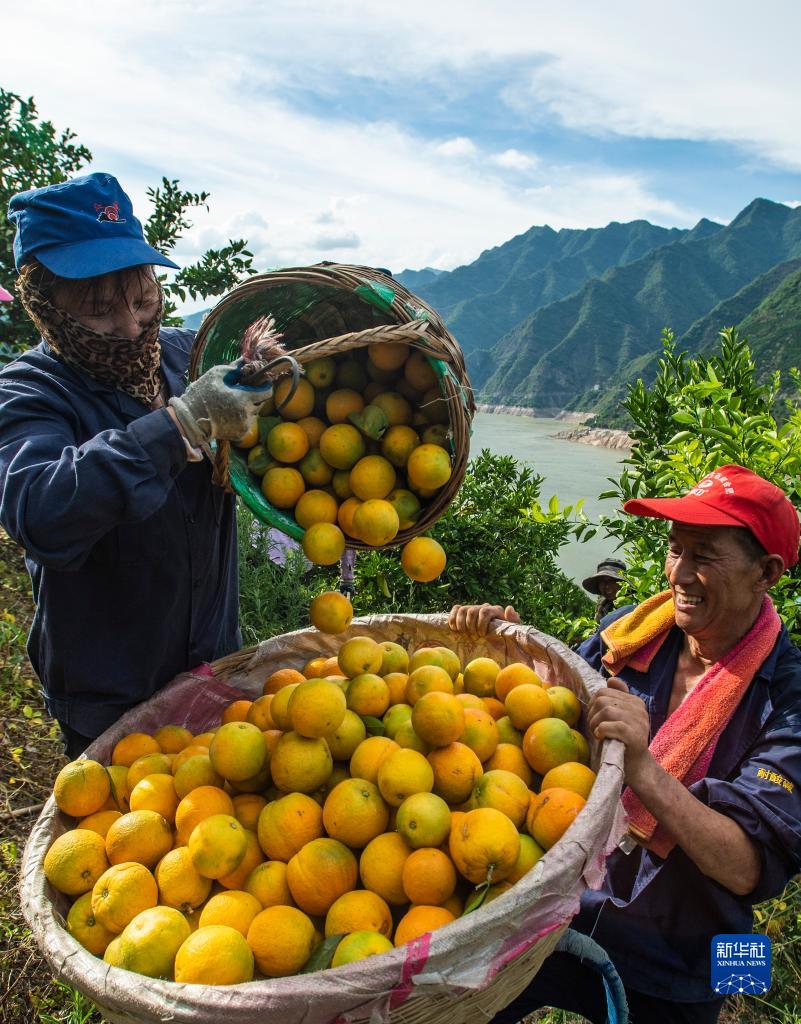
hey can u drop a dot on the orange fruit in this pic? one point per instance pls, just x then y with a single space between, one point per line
480 675
316 708
247 808
375 522
437 433
75 861
287 824
388 355
81 788
395 408
565 704
193 750
260 460
237 711
407 506
342 446
509 758
323 543
396 683
259 713
549 743
99 822
180 885
551 814
256 783
419 373
359 654
582 747
283 677
403 773
347 736
282 939
173 738
513 675
121 893
527 703
423 819
419 920
372 477
429 877
484 839
287 442
118 777
321 372
282 486
530 853
319 873
368 757
279 707
149 944
456 769
423 559
216 954
398 443
394 658
469 700
354 813
155 793
406 737
368 694
507 732
427 679
233 908
381 867
300 764
341 403
315 506
314 469
132 746
347 511
299 405
428 466
331 612
438 718
203 740
480 733
504 791
238 751
267 882
237 878
250 437
440 657
359 910
358 946
198 804
217 845
84 927
495 707
340 482
314 427
571 775
142 836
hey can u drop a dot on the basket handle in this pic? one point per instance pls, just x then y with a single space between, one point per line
592 955
413 334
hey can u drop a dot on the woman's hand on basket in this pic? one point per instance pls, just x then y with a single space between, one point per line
475 619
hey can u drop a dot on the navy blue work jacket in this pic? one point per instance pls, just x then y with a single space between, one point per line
656 918
130 548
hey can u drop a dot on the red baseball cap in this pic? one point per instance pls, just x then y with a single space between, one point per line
732 496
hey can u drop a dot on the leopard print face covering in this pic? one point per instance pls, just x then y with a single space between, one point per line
130 365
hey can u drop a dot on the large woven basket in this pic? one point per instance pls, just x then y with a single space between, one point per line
461 974
327 310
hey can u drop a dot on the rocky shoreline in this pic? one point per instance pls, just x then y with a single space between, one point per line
599 437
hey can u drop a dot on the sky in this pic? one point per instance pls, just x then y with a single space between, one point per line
422 133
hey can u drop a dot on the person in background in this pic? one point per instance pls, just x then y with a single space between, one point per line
704 692
605 583
130 548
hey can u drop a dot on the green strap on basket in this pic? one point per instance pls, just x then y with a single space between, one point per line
379 295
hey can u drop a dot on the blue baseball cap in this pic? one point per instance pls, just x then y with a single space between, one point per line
80 228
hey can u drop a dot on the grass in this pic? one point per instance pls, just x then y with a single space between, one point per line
30 757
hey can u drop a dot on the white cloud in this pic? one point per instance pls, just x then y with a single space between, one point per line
458 147
344 240
514 160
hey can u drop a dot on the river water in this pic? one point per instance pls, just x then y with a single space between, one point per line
571 471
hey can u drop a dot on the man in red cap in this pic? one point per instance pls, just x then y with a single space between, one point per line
704 691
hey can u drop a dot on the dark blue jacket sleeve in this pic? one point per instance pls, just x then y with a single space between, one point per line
60 494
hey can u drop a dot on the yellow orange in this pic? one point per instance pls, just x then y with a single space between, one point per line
582 747
323 543
513 675
359 654
118 777
402 773
548 743
84 927
282 486
198 804
480 675
428 467
315 506
217 845
331 612
551 814
180 886
75 861
300 764
281 678
398 443
316 708
571 775
354 813
341 445
234 908
359 910
438 718
314 427
319 873
375 522
215 954
358 946
423 819
405 736
456 769
299 405
419 920
173 738
530 853
485 839
282 939
260 460
480 733
341 403
346 737
99 822
179 759
132 746
372 477
238 751
287 442
368 694
406 504
81 788
504 791
510 758
259 713
321 372
340 483
395 408
237 711
565 704
143 836
423 559
267 882
314 469
419 373
397 682
156 793
507 732
149 944
527 703
381 867
237 878
287 824
347 511
429 877
247 808
121 893
368 757
388 355
427 679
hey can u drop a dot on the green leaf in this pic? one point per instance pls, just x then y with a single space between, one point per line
323 955
683 417
374 726
476 898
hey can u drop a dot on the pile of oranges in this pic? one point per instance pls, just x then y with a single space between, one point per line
356 452
371 798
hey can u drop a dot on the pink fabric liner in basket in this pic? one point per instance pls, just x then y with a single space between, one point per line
464 956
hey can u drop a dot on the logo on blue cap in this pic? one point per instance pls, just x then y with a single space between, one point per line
110 212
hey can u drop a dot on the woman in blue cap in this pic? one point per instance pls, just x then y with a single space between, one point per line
130 547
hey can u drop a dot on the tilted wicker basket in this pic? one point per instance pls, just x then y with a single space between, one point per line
327 310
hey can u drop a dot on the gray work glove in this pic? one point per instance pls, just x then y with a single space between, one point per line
216 406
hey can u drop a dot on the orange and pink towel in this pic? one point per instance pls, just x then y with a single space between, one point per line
686 742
